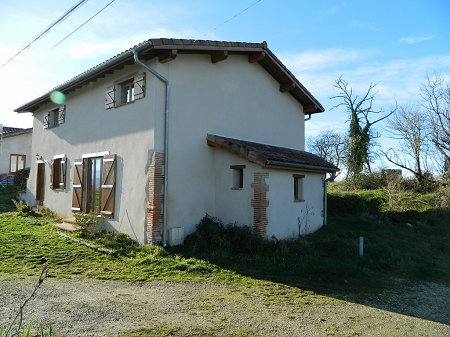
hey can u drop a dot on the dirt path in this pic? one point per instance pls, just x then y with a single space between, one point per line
87 307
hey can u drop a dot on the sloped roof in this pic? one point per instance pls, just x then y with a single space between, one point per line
271 156
257 52
9 131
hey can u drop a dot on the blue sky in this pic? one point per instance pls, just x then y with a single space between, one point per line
394 44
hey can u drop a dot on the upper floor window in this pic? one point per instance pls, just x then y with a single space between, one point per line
125 91
55 117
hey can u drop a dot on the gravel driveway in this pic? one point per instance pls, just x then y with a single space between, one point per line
88 307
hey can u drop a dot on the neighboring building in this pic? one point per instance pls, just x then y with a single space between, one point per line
15 152
232 145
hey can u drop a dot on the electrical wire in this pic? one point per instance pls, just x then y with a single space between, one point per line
85 22
233 17
46 30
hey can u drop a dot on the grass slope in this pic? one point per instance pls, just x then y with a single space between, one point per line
409 244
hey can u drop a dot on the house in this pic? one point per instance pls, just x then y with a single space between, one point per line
159 135
15 152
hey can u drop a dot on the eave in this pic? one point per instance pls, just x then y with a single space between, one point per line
167 49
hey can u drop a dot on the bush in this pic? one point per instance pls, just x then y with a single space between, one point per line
20 178
23 208
88 222
212 235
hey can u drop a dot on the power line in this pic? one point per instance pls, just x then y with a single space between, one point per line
46 30
233 17
93 16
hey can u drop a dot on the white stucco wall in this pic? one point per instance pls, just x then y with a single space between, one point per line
15 144
233 98
284 213
127 131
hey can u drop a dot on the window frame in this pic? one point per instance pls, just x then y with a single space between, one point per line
125 90
58 172
298 187
17 155
238 177
86 186
55 117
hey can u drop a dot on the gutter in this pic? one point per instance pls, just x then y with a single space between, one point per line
301 166
166 137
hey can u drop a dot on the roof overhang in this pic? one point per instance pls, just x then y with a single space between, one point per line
167 49
270 156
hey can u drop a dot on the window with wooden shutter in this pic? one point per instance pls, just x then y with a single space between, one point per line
63 170
77 196
139 86
52 174
110 98
62 114
108 187
46 120
58 173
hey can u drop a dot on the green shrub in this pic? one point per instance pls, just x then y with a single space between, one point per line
88 222
10 189
211 234
23 208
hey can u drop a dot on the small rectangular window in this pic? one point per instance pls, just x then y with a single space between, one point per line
58 174
238 176
16 162
298 187
127 91
55 117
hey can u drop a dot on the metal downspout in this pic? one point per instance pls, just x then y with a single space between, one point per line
325 203
166 139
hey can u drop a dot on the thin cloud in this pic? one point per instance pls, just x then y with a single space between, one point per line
324 59
415 39
78 49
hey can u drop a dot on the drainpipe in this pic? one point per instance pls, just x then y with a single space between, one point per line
166 138
308 118
325 206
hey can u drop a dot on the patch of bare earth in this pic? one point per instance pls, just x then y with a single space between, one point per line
87 307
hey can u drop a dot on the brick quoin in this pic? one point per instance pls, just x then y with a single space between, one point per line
155 212
260 203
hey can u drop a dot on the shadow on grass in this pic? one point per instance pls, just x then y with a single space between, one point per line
6 194
402 250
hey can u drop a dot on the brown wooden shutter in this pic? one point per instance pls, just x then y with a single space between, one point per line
107 198
52 174
62 180
46 120
62 114
139 86
77 196
110 98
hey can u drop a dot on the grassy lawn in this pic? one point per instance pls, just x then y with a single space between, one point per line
407 240
408 244
401 244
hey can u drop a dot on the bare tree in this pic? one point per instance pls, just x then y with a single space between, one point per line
436 95
330 145
361 133
411 128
